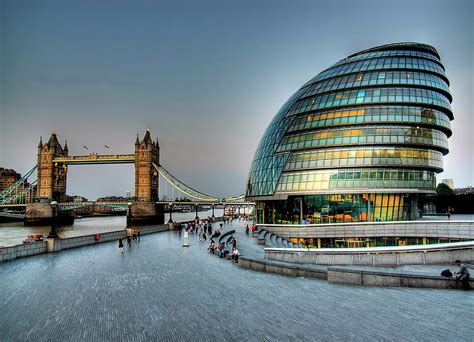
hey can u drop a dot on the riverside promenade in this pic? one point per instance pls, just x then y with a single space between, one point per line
159 290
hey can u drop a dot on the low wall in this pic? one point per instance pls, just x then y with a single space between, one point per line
390 279
19 251
435 229
57 245
376 256
354 276
288 270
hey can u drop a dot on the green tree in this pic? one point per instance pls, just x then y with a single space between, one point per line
444 190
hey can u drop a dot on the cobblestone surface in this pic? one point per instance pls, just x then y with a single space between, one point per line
162 291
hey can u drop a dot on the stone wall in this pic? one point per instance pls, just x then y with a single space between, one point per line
288 270
435 229
57 245
374 257
390 279
19 251
353 276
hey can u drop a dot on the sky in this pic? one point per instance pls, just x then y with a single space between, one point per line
206 77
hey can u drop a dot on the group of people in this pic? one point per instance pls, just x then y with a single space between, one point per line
133 235
223 252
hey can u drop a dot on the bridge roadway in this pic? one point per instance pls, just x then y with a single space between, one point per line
161 291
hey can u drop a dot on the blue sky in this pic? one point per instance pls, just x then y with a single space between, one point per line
205 76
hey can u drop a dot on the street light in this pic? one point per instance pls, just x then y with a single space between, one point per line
53 234
129 214
170 205
197 217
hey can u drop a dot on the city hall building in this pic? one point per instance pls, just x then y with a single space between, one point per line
361 141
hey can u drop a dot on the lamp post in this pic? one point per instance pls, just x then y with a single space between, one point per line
129 214
53 234
170 205
197 217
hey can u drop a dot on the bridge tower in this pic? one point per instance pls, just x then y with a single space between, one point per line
51 184
147 152
144 208
51 176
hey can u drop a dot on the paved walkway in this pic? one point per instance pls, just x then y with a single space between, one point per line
159 290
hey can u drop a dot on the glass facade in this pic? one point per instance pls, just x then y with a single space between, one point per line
361 141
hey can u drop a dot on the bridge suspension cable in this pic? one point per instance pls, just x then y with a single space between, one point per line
181 187
20 190
11 189
235 198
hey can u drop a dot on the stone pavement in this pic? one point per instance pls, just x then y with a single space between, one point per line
162 291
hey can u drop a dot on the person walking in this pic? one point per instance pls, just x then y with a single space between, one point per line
121 249
129 241
138 234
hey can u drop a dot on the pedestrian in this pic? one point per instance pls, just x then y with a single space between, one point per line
234 242
448 214
235 255
121 249
138 234
462 275
134 234
129 241
247 229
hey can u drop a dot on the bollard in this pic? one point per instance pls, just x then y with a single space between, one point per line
186 239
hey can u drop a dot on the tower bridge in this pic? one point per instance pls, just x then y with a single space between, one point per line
31 197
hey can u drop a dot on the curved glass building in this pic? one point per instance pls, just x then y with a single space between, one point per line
361 141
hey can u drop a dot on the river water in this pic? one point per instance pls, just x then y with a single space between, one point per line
14 233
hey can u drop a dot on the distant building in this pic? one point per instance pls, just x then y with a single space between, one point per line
448 182
112 199
128 194
464 191
75 198
8 177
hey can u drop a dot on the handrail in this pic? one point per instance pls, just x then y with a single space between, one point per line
375 223
385 249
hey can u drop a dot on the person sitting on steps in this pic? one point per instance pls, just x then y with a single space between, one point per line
212 248
462 275
235 254
224 251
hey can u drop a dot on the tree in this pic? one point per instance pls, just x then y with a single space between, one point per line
444 190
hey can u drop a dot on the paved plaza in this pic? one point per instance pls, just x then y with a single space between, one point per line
160 290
